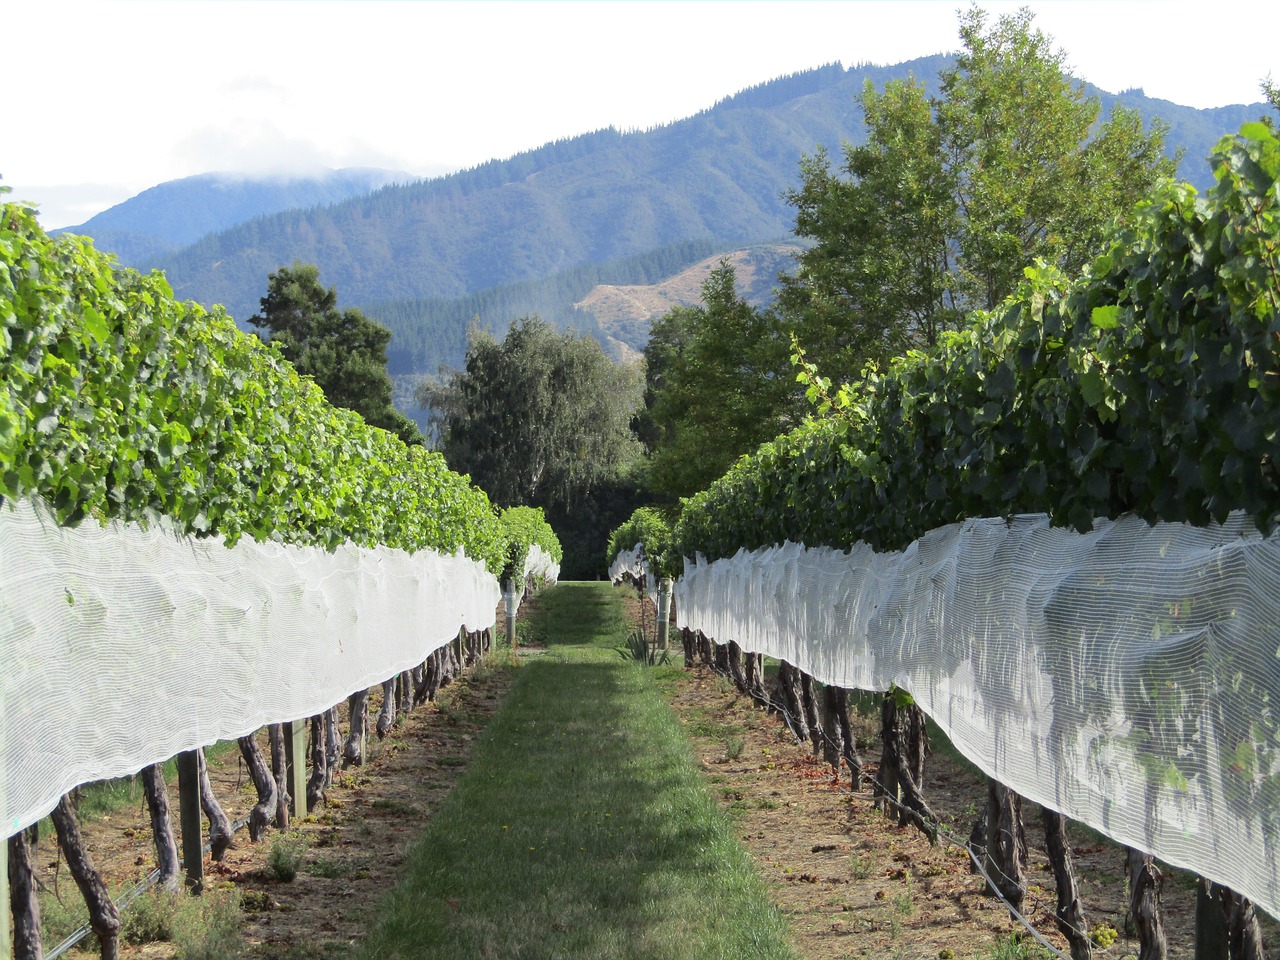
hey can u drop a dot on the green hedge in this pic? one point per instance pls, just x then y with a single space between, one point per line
524 527
118 401
651 529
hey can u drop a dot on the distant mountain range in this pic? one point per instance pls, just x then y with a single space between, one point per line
164 219
540 231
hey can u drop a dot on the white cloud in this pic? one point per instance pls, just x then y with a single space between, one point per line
261 148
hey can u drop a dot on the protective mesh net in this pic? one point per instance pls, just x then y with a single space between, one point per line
540 566
1129 677
631 563
122 647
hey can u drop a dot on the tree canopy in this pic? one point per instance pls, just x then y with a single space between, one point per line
342 350
538 418
543 418
951 197
716 386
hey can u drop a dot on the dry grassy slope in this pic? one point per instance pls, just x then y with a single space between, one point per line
625 312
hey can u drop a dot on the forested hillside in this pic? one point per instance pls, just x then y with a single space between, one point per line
164 219
612 302
717 178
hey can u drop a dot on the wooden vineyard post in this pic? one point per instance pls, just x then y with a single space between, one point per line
6 938
295 758
189 820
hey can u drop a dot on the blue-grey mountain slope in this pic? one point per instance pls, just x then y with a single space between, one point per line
164 219
715 178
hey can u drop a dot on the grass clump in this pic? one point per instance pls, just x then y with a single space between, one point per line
150 917
641 649
207 927
1016 947
284 858
330 869
582 827
59 917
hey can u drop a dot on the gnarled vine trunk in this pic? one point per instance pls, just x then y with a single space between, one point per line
387 715
722 658
736 670
1145 910
849 743
1006 859
319 761
405 693
220 832
1226 924
885 790
706 649
358 721
280 773
903 745
1070 911
833 744
792 693
161 826
754 663
434 670
265 809
332 745
690 645
104 917
23 902
1242 933
812 713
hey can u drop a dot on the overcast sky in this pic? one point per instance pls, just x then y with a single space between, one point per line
108 98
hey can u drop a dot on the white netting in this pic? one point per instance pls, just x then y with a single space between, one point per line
540 566
632 563
122 647
1129 677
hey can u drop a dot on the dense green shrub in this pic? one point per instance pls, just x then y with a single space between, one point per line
523 528
649 528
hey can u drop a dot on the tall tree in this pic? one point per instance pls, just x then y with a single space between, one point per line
717 384
539 418
342 350
951 197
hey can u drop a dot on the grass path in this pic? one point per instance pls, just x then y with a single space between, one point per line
582 828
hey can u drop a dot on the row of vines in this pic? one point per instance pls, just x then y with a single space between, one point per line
119 402
1150 385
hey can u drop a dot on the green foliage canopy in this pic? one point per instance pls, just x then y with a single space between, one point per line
1151 384
651 529
950 197
717 381
118 401
342 350
537 418
525 528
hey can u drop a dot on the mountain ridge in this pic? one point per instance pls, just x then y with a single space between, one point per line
536 231
717 176
163 219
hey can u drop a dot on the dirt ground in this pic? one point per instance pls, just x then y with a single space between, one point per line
852 881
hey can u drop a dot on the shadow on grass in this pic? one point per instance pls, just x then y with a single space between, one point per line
580 614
